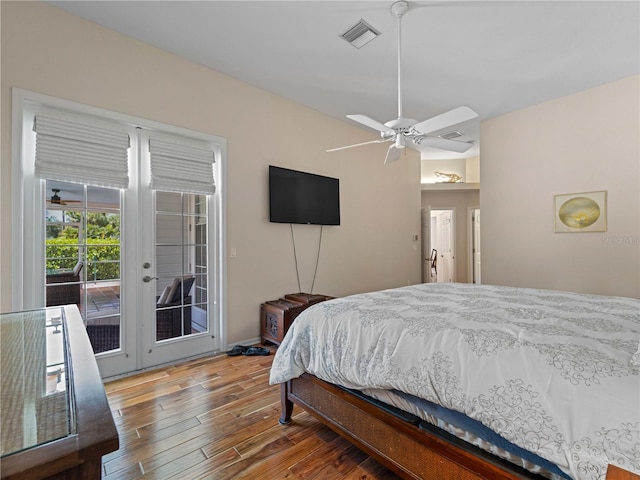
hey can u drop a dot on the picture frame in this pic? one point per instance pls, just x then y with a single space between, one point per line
580 212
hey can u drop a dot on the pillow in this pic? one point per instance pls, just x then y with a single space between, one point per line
187 284
180 288
162 299
635 358
174 290
77 268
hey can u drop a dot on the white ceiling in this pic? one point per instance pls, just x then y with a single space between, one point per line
495 57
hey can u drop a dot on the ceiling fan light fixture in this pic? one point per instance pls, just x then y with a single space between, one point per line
55 198
360 34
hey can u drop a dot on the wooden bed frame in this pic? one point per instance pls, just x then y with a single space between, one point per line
410 448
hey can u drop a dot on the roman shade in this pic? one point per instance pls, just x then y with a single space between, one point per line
81 149
181 165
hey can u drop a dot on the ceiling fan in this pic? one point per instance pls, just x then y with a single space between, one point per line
402 129
56 200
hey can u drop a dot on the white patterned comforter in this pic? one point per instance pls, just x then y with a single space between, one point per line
550 371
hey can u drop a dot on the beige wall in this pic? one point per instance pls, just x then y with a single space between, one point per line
584 142
461 201
48 51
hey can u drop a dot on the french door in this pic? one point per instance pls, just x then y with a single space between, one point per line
144 265
162 314
178 294
83 257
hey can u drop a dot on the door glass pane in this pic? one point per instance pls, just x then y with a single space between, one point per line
83 257
169 202
181 267
103 261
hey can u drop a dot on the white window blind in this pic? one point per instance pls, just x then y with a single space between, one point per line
82 149
181 165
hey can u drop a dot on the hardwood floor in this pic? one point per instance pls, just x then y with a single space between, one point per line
217 418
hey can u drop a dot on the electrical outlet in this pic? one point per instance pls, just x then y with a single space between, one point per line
234 252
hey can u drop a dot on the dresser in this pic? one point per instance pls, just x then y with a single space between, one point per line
55 418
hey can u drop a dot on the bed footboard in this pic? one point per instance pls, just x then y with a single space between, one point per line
423 452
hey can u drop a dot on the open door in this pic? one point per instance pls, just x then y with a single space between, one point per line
443 241
426 244
475 251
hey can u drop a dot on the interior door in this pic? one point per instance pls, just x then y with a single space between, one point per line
443 241
426 244
446 247
476 246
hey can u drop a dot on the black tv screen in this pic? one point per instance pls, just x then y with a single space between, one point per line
300 197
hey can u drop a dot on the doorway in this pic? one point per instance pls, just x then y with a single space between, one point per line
428 265
474 245
177 288
122 248
443 244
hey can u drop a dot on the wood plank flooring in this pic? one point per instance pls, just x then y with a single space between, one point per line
217 418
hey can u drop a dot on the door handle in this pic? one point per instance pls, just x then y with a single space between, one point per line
147 278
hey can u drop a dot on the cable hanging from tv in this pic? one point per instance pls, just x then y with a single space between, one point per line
295 258
304 198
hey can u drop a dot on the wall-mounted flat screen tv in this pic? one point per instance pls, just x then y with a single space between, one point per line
301 197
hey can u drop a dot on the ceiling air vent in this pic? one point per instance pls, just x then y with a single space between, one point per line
360 34
451 135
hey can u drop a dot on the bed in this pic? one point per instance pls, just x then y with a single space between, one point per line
417 376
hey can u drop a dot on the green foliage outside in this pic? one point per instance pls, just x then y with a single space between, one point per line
102 250
99 225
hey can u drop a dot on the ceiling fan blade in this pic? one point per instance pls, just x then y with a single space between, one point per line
393 154
446 119
63 202
358 144
444 144
56 200
371 123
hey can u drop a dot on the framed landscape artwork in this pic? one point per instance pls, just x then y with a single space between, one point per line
581 212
